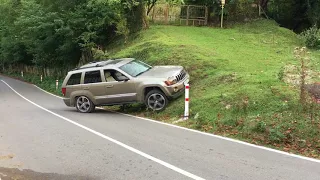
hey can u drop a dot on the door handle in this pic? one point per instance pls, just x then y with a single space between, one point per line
109 86
86 88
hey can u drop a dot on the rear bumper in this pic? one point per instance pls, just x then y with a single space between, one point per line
67 101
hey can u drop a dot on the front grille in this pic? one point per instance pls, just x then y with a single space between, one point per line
181 75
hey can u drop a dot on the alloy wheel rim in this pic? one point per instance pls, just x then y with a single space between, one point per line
156 101
83 104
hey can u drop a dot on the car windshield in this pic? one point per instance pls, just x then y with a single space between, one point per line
135 68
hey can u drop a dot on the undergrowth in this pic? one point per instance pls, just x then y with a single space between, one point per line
48 83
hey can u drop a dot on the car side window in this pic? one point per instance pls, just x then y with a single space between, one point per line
114 76
92 77
74 79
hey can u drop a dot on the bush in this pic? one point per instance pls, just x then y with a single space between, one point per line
275 135
311 37
261 127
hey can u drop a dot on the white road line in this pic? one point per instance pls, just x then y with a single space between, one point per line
48 92
212 135
172 167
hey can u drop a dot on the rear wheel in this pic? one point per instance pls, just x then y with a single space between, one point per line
84 104
156 100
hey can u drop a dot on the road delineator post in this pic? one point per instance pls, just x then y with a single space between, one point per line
41 78
21 73
186 106
57 84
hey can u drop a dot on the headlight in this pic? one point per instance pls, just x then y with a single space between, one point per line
171 81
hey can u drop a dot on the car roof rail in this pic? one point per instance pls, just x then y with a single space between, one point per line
95 64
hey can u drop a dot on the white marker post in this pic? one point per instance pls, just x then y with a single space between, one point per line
186 107
41 78
57 84
21 73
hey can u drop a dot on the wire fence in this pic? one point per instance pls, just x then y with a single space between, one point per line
197 15
176 14
165 14
204 15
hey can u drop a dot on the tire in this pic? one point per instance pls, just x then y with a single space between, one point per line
156 100
84 104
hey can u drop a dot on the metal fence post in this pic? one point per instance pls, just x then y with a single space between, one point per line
188 15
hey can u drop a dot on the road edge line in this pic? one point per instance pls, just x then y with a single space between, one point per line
207 134
48 92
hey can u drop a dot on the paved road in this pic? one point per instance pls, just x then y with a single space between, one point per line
47 140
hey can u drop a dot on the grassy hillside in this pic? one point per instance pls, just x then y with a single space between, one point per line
236 86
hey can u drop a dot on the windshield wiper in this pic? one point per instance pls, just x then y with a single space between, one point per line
143 72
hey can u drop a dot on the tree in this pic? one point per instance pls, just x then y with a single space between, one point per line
314 11
264 4
57 33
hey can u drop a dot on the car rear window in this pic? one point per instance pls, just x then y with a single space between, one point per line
92 77
74 79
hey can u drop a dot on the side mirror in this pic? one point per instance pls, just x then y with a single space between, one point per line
123 78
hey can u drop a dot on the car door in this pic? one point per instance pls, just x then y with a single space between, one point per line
118 87
94 86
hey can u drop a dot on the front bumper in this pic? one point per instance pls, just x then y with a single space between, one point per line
176 90
177 94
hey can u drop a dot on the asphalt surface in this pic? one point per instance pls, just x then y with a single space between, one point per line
37 144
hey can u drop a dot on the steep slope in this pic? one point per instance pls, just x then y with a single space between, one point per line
236 81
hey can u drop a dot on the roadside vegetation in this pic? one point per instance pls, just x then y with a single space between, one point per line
48 83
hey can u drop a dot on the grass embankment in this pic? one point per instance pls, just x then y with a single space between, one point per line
236 86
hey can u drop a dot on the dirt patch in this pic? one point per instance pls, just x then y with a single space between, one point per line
290 74
6 157
16 174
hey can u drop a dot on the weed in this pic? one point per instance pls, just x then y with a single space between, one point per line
260 127
275 135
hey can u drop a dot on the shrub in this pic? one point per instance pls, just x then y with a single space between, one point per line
275 135
311 37
260 127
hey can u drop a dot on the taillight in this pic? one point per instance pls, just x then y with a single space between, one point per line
63 90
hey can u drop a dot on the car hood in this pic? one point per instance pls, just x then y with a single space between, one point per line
162 72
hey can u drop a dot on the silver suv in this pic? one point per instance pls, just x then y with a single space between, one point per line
123 81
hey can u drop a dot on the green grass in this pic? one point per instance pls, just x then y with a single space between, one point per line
228 66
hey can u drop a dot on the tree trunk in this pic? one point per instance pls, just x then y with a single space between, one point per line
264 4
144 15
86 57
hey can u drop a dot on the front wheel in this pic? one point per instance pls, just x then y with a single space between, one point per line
156 100
84 104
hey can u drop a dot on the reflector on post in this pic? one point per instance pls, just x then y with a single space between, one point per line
186 107
57 84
